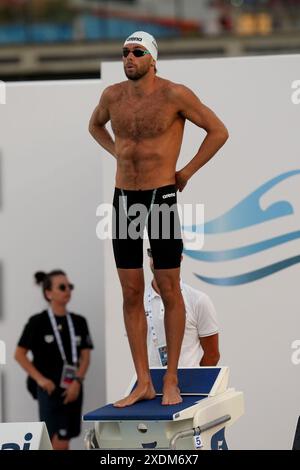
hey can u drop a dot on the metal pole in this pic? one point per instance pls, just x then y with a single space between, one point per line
88 439
198 430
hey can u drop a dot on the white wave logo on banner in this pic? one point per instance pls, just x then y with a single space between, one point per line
244 216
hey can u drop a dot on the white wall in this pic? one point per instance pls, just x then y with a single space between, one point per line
51 172
258 320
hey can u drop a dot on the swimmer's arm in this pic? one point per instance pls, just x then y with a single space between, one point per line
192 109
97 123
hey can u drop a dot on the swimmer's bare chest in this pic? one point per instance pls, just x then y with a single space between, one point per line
148 135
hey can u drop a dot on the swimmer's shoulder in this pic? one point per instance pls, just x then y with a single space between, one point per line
114 92
175 90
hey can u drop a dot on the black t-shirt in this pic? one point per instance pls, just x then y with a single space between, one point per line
39 338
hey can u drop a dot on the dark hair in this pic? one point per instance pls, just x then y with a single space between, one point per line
41 278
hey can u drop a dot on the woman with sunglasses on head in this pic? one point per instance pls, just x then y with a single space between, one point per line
60 344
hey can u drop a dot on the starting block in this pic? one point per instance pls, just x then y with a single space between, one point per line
199 422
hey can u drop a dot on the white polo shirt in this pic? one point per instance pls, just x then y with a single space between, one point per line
201 321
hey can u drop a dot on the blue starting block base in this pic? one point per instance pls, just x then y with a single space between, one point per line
208 406
147 410
194 384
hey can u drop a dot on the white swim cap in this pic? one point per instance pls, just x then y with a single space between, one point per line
143 39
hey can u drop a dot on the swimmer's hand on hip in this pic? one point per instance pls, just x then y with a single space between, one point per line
181 180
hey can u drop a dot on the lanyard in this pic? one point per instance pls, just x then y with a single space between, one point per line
59 340
150 316
149 313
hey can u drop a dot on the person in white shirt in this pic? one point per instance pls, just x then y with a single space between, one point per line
200 346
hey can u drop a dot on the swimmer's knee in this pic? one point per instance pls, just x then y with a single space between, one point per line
169 289
132 295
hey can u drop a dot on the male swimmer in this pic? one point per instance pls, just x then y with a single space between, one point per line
147 115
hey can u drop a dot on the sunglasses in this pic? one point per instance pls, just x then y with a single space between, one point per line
149 252
64 287
135 52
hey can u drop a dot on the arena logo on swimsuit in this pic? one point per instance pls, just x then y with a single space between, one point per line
16 446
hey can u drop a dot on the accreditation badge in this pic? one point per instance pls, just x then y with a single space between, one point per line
67 375
163 355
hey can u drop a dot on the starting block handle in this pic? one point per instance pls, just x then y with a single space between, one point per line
198 430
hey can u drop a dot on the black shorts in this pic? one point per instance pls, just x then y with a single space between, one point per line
60 419
156 210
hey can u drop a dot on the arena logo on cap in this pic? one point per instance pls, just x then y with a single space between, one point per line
134 39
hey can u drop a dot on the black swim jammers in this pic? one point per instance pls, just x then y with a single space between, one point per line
156 210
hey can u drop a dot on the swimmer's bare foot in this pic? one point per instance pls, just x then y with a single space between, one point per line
171 392
141 392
